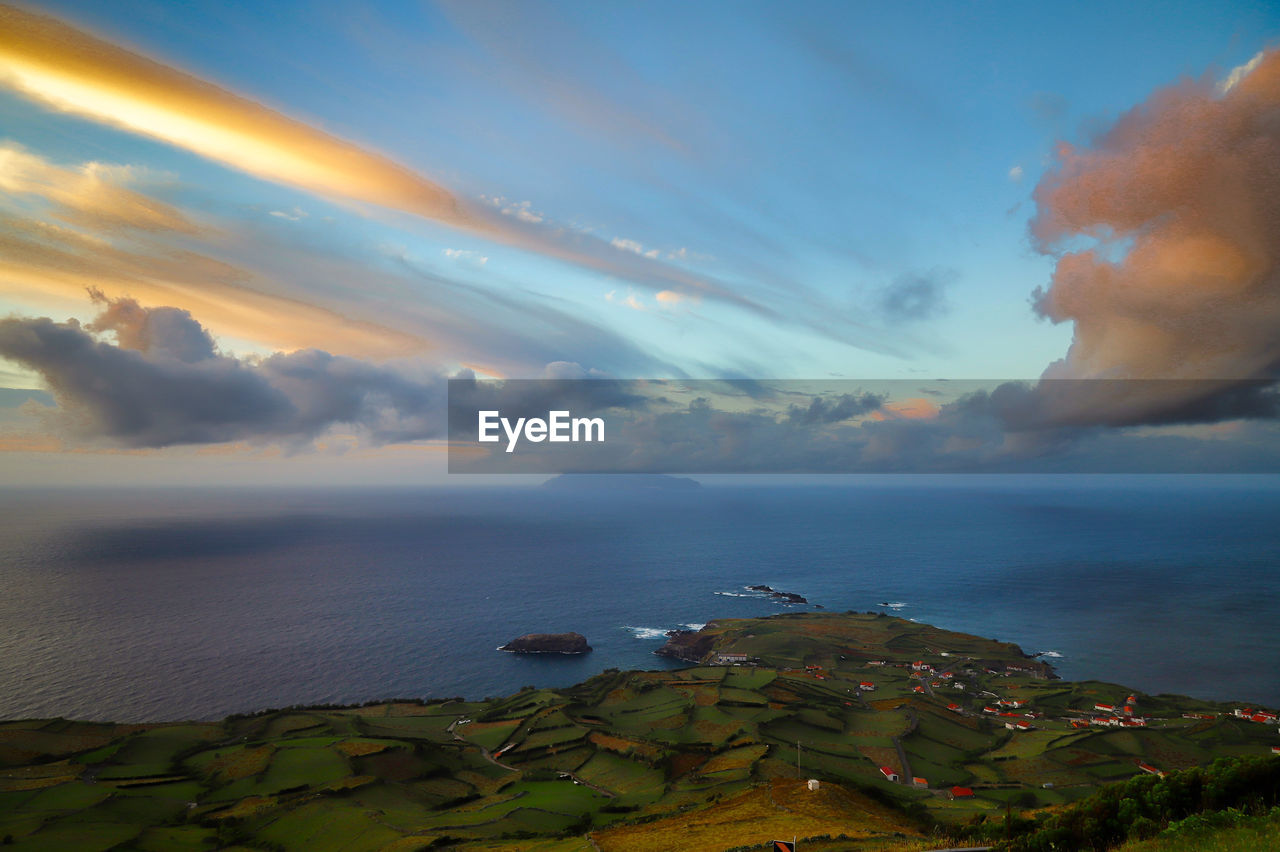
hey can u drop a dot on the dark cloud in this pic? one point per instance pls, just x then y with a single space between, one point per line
915 296
844 407
163 382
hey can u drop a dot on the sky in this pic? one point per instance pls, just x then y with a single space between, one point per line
249 241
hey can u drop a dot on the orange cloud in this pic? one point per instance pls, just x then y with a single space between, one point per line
43 264
1189 181
90 195
69 70
906 409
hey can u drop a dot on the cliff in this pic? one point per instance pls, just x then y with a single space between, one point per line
692 646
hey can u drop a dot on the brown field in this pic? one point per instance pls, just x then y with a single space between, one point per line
242 763
246 807
740 760
359 748
881 756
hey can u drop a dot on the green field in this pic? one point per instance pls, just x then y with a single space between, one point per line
558 768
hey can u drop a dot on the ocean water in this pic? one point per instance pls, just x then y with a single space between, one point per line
159 605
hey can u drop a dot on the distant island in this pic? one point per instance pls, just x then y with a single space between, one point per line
850 731
620 482
548 643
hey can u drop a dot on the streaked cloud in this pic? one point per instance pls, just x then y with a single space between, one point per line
91 194
633 247
275 287
71 71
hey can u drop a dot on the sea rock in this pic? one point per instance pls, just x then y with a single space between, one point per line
548 643
785 597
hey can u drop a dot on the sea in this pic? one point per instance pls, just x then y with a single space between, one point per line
154 605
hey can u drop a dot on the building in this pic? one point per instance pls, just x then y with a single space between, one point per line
961 793
922 783
888 773
732 659
1104 708
867 686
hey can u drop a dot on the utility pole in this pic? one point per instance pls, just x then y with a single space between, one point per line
798 775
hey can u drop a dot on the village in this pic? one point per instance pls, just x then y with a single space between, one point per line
983 694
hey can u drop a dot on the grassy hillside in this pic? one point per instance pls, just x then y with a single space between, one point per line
700 758
1251 834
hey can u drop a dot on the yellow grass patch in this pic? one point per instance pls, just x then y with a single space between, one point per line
887 703
670 723
11 785
359 748
738 759
242 763
246 807
715 731
412 843
781 809
622 745
881 756
482 783
350 782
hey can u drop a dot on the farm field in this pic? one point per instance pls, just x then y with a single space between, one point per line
707 757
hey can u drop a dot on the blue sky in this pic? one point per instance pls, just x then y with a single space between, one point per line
835 189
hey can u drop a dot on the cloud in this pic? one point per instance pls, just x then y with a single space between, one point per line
297 214
1168 263
633 247
69 70
466 254
671 300
1015 174
74 72
163 382
1240 72
1179 202
281 288
915 296
89 195
846 406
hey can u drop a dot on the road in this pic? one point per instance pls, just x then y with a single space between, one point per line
489 757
